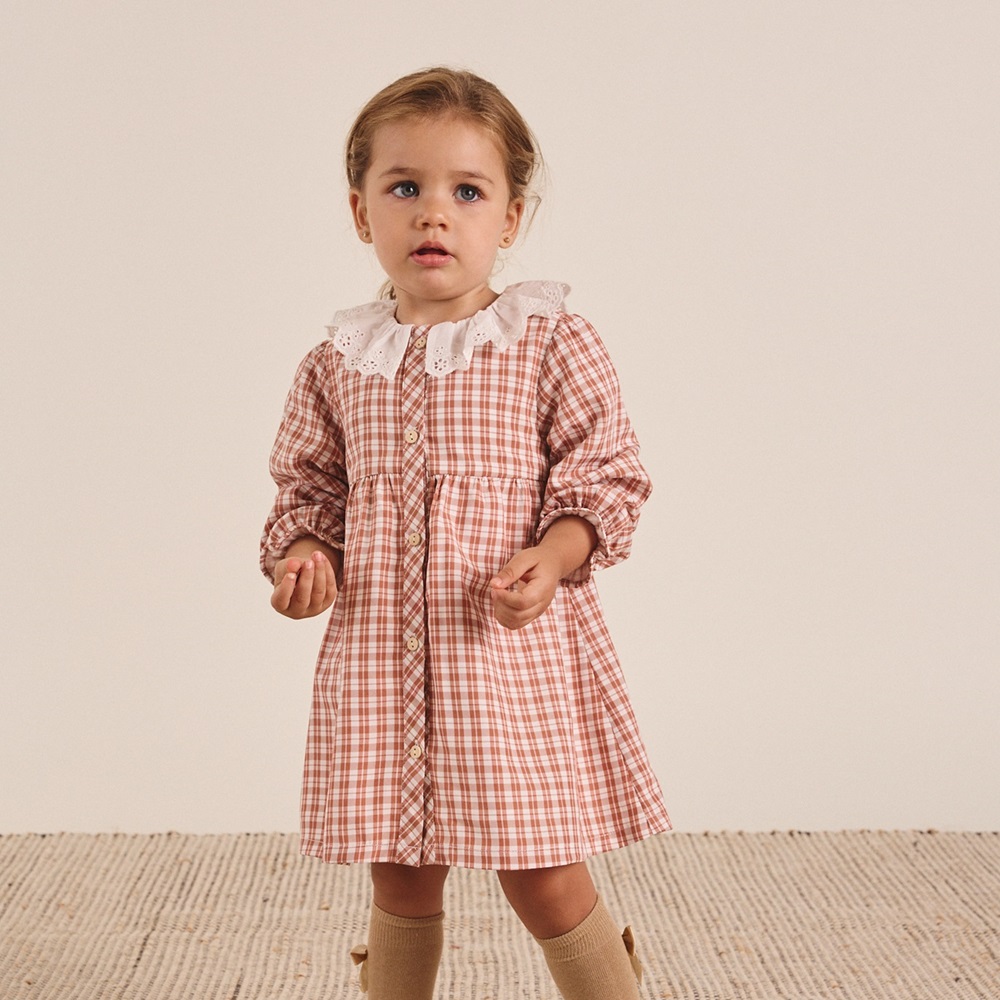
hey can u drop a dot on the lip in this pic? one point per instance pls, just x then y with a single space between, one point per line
437 259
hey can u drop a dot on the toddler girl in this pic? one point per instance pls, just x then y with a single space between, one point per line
452 466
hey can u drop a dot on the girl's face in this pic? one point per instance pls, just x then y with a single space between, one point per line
436 205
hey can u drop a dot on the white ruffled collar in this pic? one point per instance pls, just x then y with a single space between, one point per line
373 343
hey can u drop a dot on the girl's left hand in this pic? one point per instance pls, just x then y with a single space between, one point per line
534 575
304 587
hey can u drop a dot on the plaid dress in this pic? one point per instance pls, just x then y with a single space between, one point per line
431 455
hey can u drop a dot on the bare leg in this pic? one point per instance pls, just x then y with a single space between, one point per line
406 933
409 892
584 950
550 901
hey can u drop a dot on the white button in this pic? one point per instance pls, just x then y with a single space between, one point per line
413 643
413 539
420 342
411 435
416 752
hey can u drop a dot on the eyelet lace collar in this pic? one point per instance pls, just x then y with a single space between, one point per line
373 343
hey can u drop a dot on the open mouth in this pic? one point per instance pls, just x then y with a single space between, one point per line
431 255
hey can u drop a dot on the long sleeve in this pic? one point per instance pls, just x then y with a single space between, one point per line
594 467
307 464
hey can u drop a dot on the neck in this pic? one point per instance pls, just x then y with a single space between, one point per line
427 312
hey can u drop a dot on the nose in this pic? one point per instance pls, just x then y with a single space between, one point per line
433 211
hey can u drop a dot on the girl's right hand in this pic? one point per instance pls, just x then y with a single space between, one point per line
304 587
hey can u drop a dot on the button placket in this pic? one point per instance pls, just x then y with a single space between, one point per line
413 843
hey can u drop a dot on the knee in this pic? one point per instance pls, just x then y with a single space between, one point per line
546 886
409 892
550 901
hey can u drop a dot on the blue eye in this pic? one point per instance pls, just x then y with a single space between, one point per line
467 193
405 189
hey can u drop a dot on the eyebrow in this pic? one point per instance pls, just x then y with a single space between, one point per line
410 172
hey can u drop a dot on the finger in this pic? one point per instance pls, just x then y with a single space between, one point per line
520 564
515 609
282 593
517 606
302 592
321 597
512 600
293 565
281 597
332 588
318 583
509 573
284 566
514 620
506 617
525 593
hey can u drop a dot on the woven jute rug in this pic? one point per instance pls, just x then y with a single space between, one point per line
898 915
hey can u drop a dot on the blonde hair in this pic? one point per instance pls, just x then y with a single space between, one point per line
440 91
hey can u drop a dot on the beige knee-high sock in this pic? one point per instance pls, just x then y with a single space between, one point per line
400 961
594 961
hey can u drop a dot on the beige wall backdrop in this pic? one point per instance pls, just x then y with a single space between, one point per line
783 218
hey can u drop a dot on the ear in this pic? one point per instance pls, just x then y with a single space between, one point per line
512 221
359 212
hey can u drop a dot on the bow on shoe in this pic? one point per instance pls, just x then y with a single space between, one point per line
629 938
359 956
